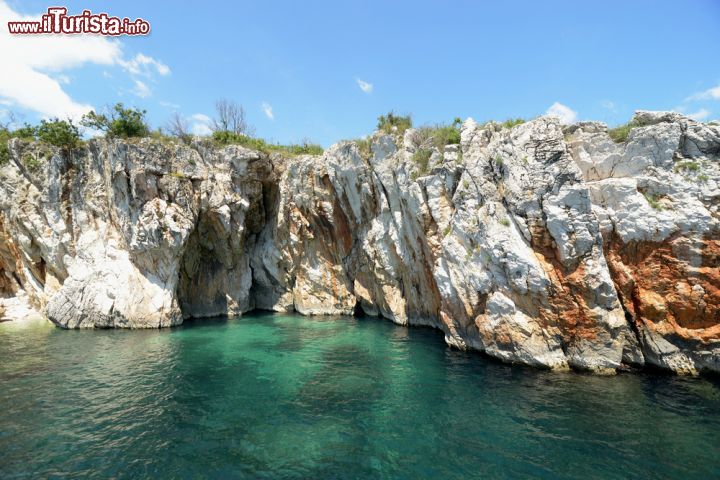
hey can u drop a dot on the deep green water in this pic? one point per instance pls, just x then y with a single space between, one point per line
271 396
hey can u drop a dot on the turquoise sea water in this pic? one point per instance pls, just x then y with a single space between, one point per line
278 396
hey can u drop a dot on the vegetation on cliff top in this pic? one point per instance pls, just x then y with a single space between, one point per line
229 127
63 134
119 122
512 122
224 137
393 123
621 133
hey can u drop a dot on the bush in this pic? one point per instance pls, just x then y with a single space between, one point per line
33 164
392 123
688 166
224 137
653 201
446 135
26 132
364 146
4 151
512 122
59 133
304 148
121 122
422 159
620 134
439 136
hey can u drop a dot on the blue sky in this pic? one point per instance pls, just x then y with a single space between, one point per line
436 60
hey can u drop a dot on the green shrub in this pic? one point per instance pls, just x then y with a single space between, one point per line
446 135
59 133
224 137
161 137
504 222
499 161
387 122
688 165
364 146
26 132
422 159
512 122
305 148
703 178
32 163
620 134
4 150
438 136
653 200
121 122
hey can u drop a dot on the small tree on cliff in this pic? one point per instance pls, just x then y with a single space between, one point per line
119 122
394 123
178 127
60 133
230 117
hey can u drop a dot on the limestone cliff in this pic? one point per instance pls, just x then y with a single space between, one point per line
549 246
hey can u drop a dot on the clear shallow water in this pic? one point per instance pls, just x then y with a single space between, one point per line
276 396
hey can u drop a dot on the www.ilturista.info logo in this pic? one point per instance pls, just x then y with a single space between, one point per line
58 21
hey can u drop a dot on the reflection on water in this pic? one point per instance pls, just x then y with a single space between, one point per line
278 396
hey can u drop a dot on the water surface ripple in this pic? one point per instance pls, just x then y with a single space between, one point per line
283 396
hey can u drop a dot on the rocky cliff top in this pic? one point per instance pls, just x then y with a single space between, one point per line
555 246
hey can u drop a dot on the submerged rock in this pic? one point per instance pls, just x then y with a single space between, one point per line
552 247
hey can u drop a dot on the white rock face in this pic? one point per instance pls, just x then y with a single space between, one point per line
549 246
111 236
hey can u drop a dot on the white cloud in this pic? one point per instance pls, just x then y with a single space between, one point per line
710 94
268 111
202 118
24 86
200 129
364 86
171 105
201 124
562 112
143 65
609 105
141 89
29 60
700 115
36 91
